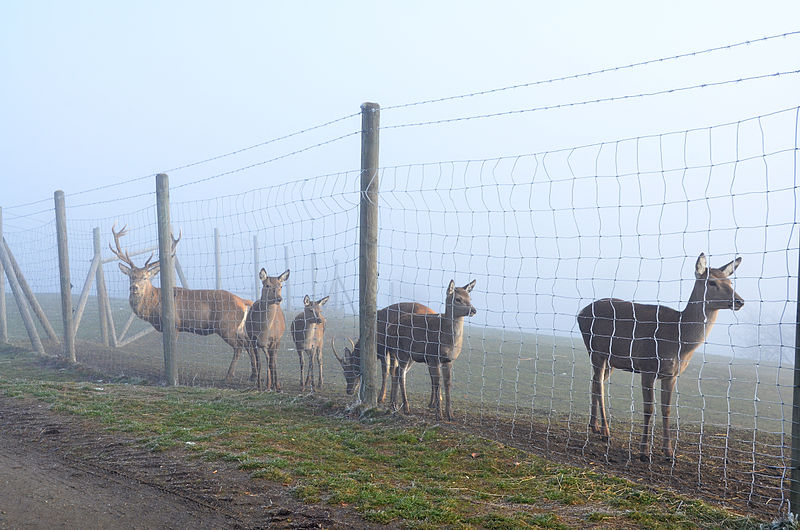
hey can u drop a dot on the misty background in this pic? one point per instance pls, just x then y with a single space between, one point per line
518 148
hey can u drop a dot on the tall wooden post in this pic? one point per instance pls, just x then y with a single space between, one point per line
794 482
217 260
368 253
100 288
3 321
170 333
63 267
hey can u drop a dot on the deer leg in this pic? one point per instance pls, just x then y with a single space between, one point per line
232 367
401 370
384 375
302 366
598 409
394 372
273 384
320 360
447 371
667 390
436 395
251 351
254 365
648 404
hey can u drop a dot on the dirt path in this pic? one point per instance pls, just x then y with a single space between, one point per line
59 472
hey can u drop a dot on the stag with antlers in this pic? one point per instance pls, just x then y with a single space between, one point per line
199 311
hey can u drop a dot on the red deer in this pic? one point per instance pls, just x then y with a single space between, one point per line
653 340
351 363
308 330
198 311
265 325
435 340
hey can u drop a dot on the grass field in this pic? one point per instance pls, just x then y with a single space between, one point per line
388 469
733 415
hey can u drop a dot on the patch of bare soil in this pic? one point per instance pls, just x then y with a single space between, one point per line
58 471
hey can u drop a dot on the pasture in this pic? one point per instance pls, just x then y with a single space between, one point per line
530 392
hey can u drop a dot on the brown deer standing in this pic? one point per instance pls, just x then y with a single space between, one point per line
653 340
308 330
435 340
265 325
351 363
198 311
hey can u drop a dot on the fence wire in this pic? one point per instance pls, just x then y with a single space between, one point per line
543 234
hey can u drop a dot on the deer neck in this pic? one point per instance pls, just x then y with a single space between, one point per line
453 327
696 321
146 305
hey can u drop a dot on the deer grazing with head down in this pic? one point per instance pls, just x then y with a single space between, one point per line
653 340
198 311
351 363
308 331
435 340
265 325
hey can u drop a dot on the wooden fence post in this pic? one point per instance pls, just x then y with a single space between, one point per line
100 288
368 253
794 479
22 303
63 267
168 329
3 321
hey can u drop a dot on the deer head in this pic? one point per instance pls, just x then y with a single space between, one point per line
313 310
271 286
350 365
140 277
714 286
458 302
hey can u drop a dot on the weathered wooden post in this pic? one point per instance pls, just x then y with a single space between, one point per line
3 321
22 304
368 253
167 274
218 260
794 482
63 267
100 288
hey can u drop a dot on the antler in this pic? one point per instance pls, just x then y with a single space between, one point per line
333 347
175 241
122 255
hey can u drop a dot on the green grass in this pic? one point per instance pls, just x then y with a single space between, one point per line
384 469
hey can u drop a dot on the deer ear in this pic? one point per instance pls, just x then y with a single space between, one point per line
323 301
469 286
306 300
262 274
152 271
700 267
451 287
285 276
125 269
728 269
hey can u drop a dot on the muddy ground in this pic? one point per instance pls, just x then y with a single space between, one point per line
57 471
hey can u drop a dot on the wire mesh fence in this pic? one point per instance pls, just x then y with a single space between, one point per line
542 235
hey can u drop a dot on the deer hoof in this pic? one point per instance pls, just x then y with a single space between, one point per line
644 457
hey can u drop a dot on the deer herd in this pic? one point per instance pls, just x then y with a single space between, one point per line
654 341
